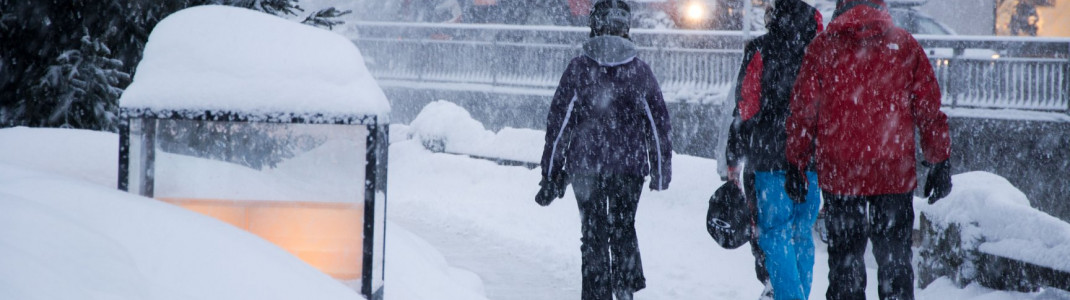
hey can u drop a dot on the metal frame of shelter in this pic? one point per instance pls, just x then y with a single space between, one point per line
375 168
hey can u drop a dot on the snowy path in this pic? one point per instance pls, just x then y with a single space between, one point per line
507 273
483 218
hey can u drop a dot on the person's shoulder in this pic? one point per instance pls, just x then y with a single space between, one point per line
756 43
580 60
904 40
579 63
639 62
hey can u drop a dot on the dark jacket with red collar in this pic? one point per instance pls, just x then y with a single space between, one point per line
763 89
864 87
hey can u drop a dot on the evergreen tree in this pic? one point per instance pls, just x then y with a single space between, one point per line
64 63
79 89
57 69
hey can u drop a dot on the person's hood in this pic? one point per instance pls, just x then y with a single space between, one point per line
861 20
794 20
610 50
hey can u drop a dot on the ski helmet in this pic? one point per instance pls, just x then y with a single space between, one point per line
727 219
610 17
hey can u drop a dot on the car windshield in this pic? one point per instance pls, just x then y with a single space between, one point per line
917 23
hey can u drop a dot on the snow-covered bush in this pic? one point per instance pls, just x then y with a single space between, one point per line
445 127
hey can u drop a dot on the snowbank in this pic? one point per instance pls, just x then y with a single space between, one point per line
67 239
66 233
992 211
443 126
232 59
87 155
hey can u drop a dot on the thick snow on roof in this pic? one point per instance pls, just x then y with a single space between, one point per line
232 59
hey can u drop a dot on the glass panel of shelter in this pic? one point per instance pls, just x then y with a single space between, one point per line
299 186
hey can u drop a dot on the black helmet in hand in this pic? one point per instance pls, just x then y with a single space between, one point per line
727 220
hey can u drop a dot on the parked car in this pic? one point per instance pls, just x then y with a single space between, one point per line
906 15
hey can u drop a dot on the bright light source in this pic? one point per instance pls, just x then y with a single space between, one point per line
995 56
695 11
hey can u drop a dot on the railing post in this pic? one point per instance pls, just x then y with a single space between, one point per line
124 151
421 64
1066 78
955 83
495 71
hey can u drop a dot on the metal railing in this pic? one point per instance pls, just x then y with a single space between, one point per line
692 66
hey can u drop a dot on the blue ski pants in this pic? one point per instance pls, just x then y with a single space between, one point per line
785 233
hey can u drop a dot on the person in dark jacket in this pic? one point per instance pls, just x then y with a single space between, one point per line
864 88
757 140
607 129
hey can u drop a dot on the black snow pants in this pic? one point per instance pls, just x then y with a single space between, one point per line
888 226
610 248
752 206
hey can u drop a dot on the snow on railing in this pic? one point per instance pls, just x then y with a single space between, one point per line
692 66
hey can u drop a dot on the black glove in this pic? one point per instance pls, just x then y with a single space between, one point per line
795 184
938 183
550 189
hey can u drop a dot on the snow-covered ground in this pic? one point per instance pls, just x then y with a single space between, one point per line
66 232
460 228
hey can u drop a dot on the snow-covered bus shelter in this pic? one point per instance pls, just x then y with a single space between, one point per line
271 126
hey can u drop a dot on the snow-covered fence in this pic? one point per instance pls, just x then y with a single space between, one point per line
692 66
1002 72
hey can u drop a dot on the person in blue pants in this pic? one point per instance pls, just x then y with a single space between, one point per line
785 236
758 139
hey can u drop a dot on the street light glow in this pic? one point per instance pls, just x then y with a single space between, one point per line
695 11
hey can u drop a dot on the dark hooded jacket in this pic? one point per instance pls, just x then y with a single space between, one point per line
763 88
864 87
608 117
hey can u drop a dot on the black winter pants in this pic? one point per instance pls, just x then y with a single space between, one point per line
752 206
609 247
888 226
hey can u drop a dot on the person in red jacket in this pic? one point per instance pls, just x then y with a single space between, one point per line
864 86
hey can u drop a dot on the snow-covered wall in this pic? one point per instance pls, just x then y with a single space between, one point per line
983 220
223 58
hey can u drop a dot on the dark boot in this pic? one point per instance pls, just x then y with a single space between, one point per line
767 292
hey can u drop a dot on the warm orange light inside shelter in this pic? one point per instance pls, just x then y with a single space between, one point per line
326 235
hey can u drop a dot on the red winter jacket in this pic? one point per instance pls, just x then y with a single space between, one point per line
863 88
